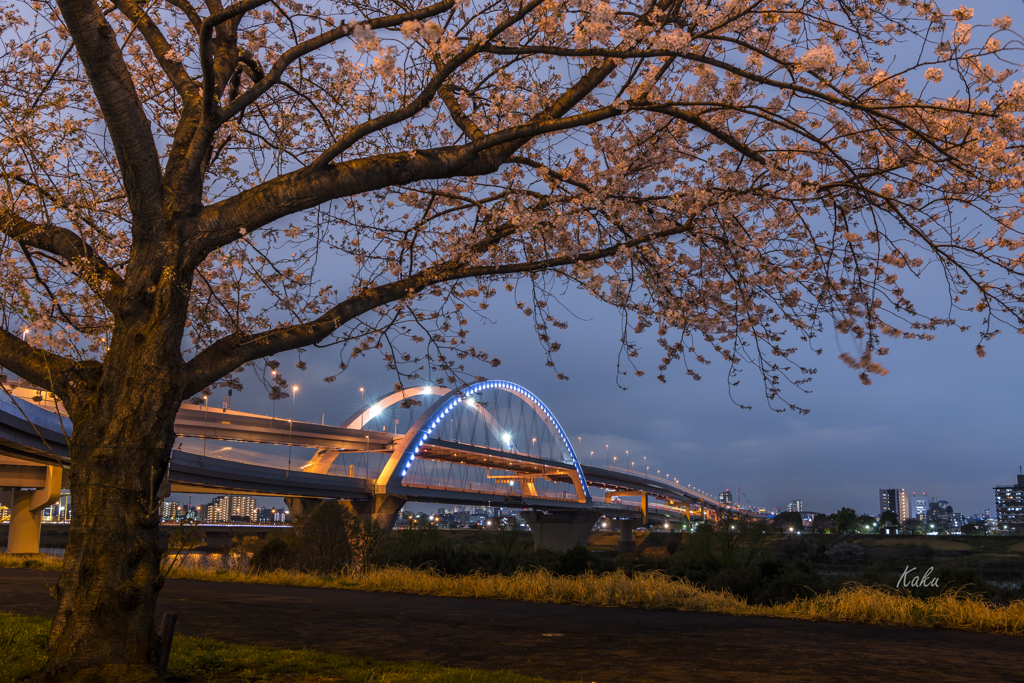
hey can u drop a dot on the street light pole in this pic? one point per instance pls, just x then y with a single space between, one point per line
295 390
206 406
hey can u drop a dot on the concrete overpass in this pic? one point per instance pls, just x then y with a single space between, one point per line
467 447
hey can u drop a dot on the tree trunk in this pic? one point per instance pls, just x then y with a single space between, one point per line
104 628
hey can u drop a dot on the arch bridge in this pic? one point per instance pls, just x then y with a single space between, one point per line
491 443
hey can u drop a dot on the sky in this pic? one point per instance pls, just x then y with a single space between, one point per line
943 421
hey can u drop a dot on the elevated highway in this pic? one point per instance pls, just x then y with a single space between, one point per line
492 443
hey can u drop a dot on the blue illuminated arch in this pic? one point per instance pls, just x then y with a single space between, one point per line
408 448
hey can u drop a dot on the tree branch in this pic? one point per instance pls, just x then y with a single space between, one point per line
231 352
225 221
123 115
158 44
72 248
41 367
288 58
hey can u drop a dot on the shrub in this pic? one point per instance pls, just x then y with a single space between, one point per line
323 538
846 553
277 553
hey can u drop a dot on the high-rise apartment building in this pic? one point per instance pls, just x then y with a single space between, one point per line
919 505
241 509
169 510
795 506
219 510
895 500
1010 506
725 497
225 509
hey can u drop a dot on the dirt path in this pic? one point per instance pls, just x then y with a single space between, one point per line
608 645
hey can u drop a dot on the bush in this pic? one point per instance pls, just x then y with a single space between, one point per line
331 537
574 561
323 538
846 553
277 553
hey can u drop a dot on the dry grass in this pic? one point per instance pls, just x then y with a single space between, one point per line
40 561
854 603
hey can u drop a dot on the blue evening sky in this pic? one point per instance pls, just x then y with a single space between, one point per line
943 421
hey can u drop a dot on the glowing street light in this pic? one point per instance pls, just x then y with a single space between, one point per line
273 403
295 390
206 399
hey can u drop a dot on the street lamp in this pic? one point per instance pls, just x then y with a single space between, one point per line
273 403
295 390
206 404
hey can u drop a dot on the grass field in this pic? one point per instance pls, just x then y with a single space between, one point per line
23 644
855 603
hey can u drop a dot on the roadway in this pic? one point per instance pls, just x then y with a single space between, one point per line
41 436
604 645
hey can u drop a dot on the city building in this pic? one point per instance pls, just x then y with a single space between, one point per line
895 500
169 511
241 508
919 505
270 516
1010 506
218 511
795 506
725 497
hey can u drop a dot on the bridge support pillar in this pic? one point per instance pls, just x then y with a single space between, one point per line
298 506
560 530
26 524
380 508
626 543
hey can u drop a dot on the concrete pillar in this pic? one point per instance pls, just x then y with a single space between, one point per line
561 530
380 508
26 524
626 543
299 506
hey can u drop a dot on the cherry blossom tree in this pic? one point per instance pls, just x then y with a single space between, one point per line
188 188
